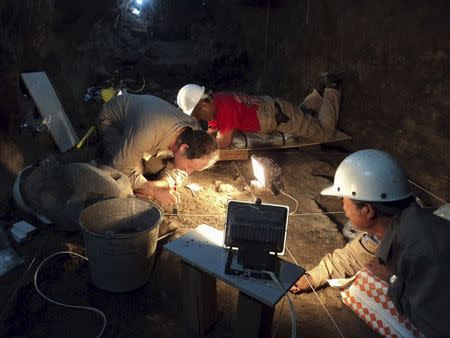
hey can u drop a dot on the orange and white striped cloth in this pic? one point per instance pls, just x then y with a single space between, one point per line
367 297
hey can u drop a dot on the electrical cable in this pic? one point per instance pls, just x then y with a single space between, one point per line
248 274
245 181
193 215
317 296
293 214
300 214
427 191
295 200
274 333
293 317
320 213
62 304
5 307
141 88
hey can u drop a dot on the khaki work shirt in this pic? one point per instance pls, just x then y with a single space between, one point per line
345 262
136 129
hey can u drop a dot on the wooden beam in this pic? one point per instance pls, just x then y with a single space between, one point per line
233 154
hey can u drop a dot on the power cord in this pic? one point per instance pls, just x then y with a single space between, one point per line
274 333
295 200
62 304
293 318
320 302
248 273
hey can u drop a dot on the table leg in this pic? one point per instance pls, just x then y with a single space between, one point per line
253 318
199 299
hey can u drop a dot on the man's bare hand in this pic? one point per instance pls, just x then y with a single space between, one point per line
302 285
380 270
212 130
163 195
224 139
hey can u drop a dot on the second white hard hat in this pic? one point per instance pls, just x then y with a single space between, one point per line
188 97
370 175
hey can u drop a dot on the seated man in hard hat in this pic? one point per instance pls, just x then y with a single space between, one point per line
405 245
145 135
227 112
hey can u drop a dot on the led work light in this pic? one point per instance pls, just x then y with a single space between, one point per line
255 233
268 173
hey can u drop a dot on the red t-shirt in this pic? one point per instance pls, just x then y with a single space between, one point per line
235 111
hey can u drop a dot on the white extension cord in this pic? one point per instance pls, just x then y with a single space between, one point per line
248 274
318 298
293 317
88 308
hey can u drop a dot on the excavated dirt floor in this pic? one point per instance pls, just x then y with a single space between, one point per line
154 310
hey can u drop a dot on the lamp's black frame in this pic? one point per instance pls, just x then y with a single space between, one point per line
252 252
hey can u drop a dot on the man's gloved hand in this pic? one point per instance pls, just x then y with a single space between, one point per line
302 284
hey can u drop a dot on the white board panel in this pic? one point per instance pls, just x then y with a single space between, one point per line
51 110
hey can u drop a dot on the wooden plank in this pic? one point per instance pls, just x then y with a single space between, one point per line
253 319
199 300
243 154
51 110
233 154
202 248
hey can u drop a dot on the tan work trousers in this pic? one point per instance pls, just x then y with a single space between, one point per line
301 124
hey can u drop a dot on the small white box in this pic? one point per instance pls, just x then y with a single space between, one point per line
20 230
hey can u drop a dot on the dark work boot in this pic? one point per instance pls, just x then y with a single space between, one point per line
330 80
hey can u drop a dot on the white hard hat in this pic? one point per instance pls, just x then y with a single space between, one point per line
189 96
370 175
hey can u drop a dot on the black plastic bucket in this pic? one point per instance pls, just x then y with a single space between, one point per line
120 236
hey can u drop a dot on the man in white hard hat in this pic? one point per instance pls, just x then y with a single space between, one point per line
405 245
227 112
144 135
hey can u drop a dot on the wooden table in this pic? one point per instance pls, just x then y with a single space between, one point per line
204 261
